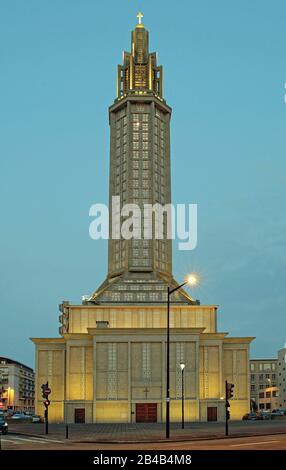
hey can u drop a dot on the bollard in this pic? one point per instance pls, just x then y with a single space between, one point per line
67 431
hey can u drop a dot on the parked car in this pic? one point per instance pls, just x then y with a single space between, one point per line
277 413
19 416
36 419
265 414
252 416
3 425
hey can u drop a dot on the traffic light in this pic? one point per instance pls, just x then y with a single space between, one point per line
227 414
44 387
229 390
47 403
45 390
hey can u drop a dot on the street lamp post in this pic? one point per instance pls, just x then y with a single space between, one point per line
192 280
182 365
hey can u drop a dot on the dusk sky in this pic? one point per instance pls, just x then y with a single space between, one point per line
224 76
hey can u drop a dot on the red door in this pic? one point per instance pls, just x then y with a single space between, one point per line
212 413
146 412
79 415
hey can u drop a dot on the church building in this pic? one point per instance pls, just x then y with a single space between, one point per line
109 362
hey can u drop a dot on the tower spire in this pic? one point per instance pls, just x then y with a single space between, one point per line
139 73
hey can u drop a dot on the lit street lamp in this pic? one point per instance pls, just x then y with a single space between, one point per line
191 280
182 365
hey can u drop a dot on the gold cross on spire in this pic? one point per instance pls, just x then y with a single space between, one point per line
139 16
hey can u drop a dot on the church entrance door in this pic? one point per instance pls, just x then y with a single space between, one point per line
212 413
79 415
146 412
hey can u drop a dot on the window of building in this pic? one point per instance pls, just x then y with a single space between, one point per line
260 376
268 406
267 376
141 296
128 296
136 126
261 406
261 387
253 388
252 377
261 394
252 367
154 296
268 394
273 376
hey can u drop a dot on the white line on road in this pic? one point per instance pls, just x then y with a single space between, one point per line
253 443
33 439
9 441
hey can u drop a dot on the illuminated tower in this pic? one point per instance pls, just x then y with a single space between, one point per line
139 269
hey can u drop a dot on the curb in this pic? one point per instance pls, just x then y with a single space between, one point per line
194 439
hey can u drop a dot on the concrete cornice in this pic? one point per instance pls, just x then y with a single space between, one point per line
47 340
140 307
239 339
140 99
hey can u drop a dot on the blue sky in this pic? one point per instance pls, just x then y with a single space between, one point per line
225 69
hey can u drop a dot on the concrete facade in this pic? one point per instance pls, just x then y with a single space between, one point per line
268 376
281 382
17 385
108 368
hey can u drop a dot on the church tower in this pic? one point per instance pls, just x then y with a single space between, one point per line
108 365
139 269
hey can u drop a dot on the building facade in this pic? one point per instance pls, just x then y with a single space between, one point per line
263 374
109 363
268 382
281 382
17 386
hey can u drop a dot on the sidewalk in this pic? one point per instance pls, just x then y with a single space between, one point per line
132 433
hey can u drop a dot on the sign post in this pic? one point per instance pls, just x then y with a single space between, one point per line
45 394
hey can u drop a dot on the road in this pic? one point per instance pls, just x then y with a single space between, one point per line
269 442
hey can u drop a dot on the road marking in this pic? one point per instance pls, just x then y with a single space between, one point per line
8 441
253 443
38 440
